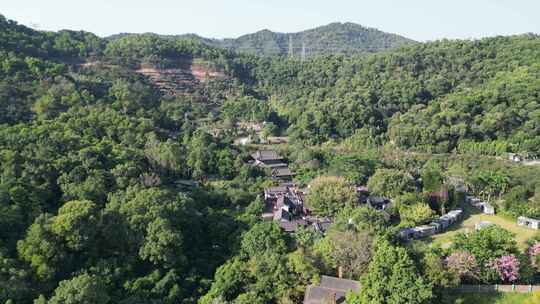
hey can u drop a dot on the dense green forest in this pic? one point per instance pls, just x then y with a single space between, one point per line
429 97
112 191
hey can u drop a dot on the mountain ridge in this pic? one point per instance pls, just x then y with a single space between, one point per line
334 38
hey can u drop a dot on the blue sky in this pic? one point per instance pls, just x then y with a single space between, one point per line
417 19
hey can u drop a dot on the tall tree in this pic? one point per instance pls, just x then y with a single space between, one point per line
329 194
392 278
351 252
390 183
81 289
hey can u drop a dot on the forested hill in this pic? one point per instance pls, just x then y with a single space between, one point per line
437 96
335 38
114 189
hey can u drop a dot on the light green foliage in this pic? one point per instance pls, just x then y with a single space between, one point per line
225 163
130 97
515 201
97 163
486 244
200 158
43 249
409 199
253 211
228 282
436 272
329 194
160 240
503 99
304 266
497 147
270 129
263 237
306 237
355 168
390 183
488 184
81 289
52 241
323 250
415 214
245 108
490 298
432 178
166 158
366 219
60 96
76 224
264 271
535 298
392 278
154 219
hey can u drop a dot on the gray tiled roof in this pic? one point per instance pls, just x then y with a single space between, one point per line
291 226
320 295
278 165
339 284
278 189
282 172
263 155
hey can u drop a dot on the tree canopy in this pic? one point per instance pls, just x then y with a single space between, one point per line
123 180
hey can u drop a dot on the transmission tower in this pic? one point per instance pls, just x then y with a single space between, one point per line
303 51
291 53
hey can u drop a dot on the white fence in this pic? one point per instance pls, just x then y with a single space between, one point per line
497 288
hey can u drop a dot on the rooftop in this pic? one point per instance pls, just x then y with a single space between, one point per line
265 155
276 165
282 172
339 284
291 226
330 289
524 218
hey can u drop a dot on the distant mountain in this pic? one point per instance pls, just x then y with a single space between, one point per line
335 38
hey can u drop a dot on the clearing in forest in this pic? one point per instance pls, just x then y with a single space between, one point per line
473 216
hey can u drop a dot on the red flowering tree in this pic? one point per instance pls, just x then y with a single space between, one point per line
507 267
464 264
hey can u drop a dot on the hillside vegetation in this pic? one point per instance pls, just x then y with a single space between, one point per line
332 39
435 97
120 185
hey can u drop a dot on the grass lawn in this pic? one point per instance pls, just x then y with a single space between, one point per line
487 298
473 216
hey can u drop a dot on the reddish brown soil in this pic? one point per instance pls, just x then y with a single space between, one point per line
202 73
